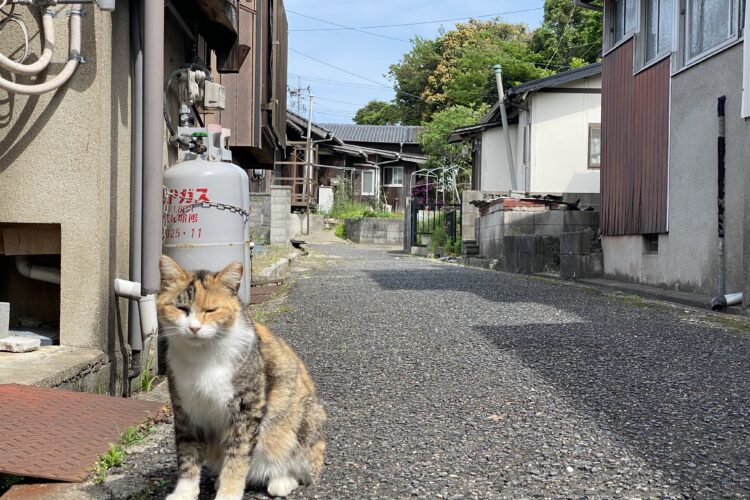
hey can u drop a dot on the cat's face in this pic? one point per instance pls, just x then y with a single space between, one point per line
197 306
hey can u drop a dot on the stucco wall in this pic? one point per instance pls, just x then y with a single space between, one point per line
65 158
687 257
559 141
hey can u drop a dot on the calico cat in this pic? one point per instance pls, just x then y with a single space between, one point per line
244 403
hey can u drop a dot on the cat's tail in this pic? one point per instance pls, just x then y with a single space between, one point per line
314 443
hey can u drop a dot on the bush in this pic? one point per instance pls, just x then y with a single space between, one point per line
340 231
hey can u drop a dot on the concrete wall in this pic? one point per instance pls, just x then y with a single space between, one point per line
260 216
560 143
65 159
687 259
298 224
375 231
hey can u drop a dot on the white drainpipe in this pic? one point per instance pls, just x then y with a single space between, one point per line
34 272
146 309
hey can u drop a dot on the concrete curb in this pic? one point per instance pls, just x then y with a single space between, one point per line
278 270
611 286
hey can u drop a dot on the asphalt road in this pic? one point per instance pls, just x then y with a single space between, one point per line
447 382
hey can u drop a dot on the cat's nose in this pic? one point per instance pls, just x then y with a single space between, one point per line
195 329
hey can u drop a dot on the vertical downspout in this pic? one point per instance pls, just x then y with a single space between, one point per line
136 43
721 147
153 142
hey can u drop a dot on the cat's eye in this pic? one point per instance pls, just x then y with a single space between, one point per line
212 310
184 309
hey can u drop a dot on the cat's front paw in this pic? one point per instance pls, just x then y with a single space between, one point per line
281 486
230 496
186 489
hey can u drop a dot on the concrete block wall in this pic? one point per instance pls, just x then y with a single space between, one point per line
580 255
375 231
281 206
298 224
260 216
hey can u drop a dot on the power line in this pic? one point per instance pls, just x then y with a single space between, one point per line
562 35
417 23
343 27
338 82
337 68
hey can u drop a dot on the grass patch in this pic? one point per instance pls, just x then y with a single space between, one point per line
340 231
265 312
737 324
348 209
146 381
115 455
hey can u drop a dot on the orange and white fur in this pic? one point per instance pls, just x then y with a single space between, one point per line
244 403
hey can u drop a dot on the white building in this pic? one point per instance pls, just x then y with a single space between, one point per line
555 135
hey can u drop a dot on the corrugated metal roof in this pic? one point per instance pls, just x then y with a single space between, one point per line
390 134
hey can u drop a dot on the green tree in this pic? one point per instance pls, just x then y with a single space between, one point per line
464 74
569 36
410 77
434 139
377 113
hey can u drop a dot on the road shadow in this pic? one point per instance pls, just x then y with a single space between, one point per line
677 396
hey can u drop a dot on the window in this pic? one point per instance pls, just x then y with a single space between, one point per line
658 29
710 23
595 145
368 182
393 176
624 19
650 243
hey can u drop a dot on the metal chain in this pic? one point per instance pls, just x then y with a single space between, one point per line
223 206
165 210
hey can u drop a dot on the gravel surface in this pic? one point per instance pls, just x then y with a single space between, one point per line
449 382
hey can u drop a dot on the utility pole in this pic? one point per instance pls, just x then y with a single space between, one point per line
307 186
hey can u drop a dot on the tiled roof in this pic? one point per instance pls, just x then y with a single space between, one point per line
390 134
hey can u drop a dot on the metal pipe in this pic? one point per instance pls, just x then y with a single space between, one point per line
721 302
135 338
34 272
721 203
153 142
506 132
133 290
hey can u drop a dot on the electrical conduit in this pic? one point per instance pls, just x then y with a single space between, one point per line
61 78
48 28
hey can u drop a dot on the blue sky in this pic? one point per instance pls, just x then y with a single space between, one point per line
339 94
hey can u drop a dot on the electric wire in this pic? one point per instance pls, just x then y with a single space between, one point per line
343 27
562 35
417 23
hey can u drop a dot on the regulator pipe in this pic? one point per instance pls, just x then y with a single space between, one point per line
61 78
48 28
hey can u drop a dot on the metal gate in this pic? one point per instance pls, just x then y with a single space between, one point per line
431 218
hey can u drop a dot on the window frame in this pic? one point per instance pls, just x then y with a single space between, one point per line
659 55
611 42
399 167
362 184
685 45
590 165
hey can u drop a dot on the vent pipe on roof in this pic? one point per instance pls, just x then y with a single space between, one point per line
506 131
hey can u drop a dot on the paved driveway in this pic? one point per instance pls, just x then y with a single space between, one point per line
449 382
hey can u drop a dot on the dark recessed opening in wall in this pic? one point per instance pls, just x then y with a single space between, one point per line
29 265
651 243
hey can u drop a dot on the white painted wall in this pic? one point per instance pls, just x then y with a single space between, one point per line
558 149
495 175
559 140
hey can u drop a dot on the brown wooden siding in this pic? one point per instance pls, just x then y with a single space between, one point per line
635 142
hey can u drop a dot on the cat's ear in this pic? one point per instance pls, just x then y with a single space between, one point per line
170 270
231 276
